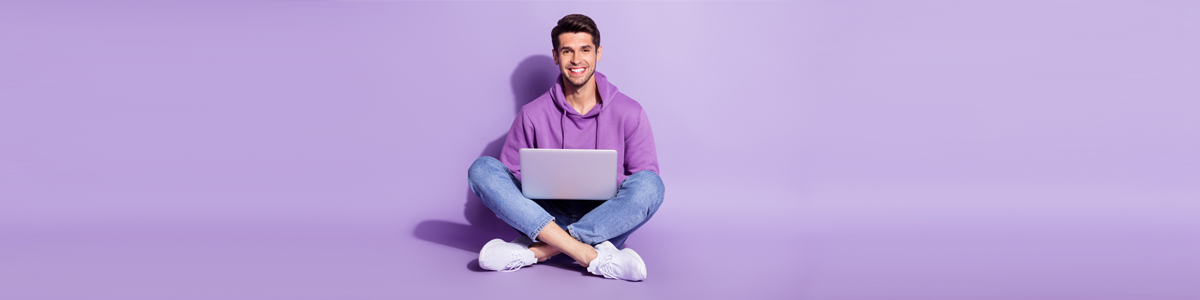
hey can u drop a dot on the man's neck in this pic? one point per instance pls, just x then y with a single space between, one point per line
582 98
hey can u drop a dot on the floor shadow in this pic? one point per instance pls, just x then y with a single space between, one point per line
532 77
563 262
567 263
473 265
455 235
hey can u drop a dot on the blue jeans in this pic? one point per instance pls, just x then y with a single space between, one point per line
591 222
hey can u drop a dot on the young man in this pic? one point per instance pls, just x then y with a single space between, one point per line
581 111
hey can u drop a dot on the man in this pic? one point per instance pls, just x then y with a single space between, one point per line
581 111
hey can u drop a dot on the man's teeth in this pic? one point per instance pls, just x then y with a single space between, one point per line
577 70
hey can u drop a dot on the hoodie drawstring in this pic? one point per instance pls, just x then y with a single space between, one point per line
562 129
562 125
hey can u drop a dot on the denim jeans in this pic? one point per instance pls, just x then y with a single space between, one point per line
588 221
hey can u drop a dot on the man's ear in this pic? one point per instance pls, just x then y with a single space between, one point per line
554 54
599 52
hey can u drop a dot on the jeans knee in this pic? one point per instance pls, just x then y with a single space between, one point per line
654 180
482 165
648 188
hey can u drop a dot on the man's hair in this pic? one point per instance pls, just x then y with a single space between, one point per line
575 23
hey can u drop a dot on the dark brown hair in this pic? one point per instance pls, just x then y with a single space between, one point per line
575 23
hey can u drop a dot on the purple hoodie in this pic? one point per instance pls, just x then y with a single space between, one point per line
617 122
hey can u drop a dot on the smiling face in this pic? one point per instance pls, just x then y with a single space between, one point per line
576 57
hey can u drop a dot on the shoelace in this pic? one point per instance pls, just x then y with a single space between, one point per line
608 268
514 265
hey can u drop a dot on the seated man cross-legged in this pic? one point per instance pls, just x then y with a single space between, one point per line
582 110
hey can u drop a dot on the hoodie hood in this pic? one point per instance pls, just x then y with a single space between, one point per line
608 93
588 124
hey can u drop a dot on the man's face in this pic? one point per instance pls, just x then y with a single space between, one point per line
576 57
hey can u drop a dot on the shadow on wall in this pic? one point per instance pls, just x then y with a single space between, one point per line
532 78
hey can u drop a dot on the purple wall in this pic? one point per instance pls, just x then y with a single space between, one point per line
817 150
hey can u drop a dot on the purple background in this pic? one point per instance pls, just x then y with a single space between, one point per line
811 150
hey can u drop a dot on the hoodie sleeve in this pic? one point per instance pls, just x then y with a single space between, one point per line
520 135
640 153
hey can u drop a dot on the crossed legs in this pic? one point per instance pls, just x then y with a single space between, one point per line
637 200
554 240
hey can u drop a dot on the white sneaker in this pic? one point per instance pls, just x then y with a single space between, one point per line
498 255
617 264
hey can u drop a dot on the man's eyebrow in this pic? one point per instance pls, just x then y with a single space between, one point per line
569 47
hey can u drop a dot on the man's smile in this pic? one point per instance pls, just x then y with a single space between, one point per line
577 71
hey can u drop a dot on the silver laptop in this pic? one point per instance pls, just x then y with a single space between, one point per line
569 174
